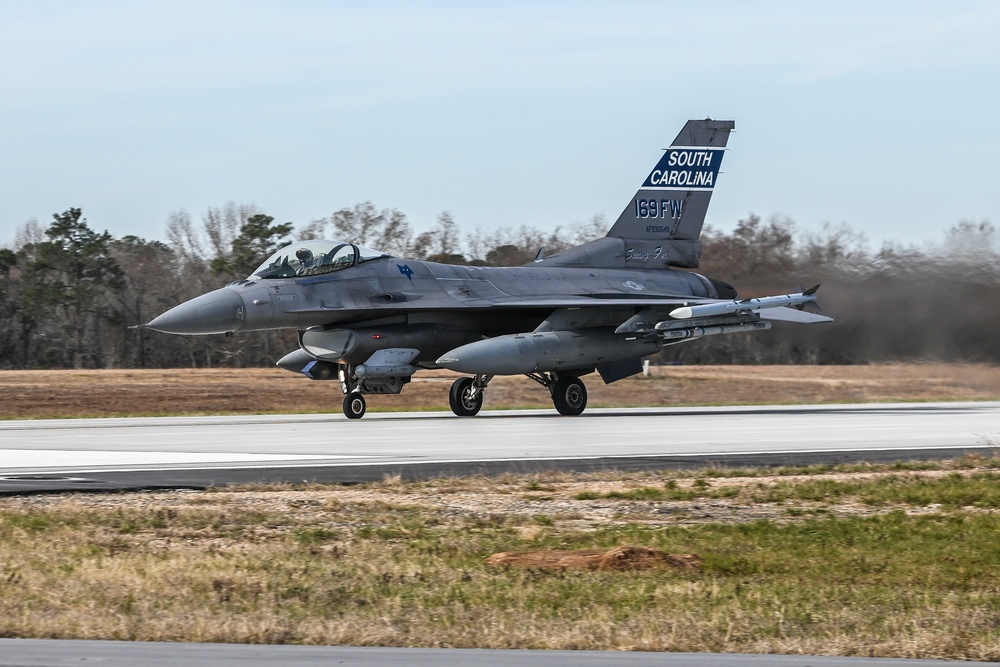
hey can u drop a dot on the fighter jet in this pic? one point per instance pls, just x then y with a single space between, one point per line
371 321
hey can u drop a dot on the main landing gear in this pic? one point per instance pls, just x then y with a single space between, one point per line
569 396
466 395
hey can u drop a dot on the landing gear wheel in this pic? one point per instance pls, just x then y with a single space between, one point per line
569 396
463 402
354 405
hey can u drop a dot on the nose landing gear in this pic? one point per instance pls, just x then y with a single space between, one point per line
355 387
354 405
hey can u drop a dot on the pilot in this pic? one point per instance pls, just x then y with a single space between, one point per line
305 257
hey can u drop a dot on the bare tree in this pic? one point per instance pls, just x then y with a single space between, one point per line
30 233
364 224
222 225
183 237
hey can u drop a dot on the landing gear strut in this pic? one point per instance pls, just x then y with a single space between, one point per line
466 395
355 387
569 394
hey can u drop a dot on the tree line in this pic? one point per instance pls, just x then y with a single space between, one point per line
69 293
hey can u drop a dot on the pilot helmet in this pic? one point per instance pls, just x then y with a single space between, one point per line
304 255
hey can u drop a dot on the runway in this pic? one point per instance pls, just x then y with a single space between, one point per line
194 452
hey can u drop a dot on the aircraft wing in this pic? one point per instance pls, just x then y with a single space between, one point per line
598 302
786 314
672 316
769 308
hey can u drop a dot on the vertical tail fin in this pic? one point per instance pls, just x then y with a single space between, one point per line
662 223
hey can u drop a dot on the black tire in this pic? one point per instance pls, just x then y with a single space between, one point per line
569 396
354 405
461 402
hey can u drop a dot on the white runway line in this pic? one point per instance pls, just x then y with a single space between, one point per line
57 458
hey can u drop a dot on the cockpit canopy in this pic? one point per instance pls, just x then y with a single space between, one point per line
310 258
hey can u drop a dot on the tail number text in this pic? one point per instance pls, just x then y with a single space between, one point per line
659 208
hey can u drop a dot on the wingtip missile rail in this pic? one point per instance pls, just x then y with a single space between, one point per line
676 335
744 305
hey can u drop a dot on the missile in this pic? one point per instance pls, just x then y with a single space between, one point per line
725 307
539 352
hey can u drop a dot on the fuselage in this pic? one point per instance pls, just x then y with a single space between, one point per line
500 299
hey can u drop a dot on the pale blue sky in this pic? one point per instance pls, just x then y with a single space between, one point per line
882 115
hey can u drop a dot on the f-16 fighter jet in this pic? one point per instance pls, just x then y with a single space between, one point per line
372 321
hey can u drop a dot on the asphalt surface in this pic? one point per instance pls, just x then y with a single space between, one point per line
54 653
195 452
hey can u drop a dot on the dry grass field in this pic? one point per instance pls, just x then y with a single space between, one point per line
111 393
897 560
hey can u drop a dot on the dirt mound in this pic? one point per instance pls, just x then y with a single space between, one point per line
618 558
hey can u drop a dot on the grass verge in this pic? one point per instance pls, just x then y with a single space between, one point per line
120 393
859 560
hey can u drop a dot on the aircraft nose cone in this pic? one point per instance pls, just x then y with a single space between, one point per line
220 311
